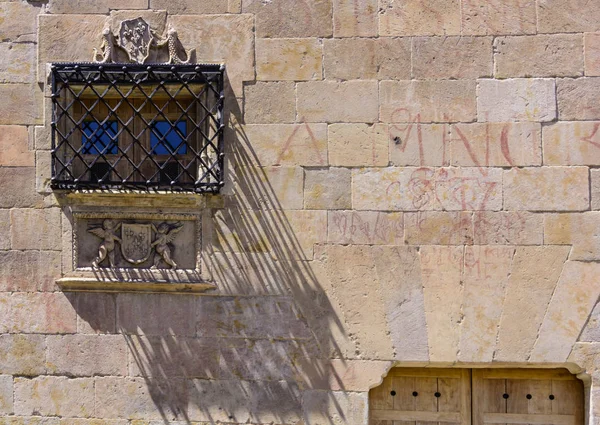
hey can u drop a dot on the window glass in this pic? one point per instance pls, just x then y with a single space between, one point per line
167 140
99 138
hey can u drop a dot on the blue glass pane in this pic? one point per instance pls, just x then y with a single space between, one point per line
165 140
99 138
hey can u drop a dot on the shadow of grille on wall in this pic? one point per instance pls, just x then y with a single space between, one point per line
150 127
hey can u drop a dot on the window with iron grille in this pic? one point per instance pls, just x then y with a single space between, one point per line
152 127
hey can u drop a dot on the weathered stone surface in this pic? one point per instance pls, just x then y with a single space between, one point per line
270 102
96 313
416 144
451 57
356 375
438 228
43 138
29 420
288 18
567 16
591 331
329 101
14 150
22 354
486 273
18 63
270 187
22 195
86 355
595 189
508 228
441 270
306 228
327 189
580 230
21 104
420 189
496 144
539 56
547 189
572 143
289 59
534 275
28 270
68 38
324 407
189 7
54 396
238 230
414 17
6 395
81 421
573 300
577 99
498 17
381 58
227 39
352 145
43 172
36 229
287 144
428 101
516 100
365 228
352 18
94 6
4 229
591 52
42 312
19 21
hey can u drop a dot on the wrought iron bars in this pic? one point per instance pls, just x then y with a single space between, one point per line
124 126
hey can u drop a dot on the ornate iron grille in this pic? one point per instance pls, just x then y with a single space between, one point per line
151 127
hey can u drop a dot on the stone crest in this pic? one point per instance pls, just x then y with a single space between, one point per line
136 242
135 39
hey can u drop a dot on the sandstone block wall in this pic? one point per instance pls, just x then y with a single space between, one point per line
408 182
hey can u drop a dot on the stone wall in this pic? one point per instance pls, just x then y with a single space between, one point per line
408 182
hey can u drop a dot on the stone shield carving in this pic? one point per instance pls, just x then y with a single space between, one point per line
135 38
136 242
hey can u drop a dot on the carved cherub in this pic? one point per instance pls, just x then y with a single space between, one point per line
165 234
107 247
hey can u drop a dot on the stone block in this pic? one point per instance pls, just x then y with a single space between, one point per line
591 52
365 228
557 16
428 101
339 407
591 331
416 17
189 7
329 101
327 189
355 18
381 58
306 228
6 395
353 145
559 55
295 59
579 230
28 271
14 149
291 19
595 189
4 229
508 228
43 138
22 195
22 355
438 228
18 65
496 144
241 231
54 396
547 189
577 99
96 313
86 355
174 315
270 102
81 421
441 271
42 312
572 143
270 187
416 144
516 100
43 172
19 21
498 17
36 228
68 38
451 57
533 278
29 420
572 302
427 189
227 39
93 6
21 104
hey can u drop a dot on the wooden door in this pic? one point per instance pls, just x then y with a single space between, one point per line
410 396
527 396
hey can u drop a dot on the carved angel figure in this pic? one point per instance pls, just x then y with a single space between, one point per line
165 234
107 247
